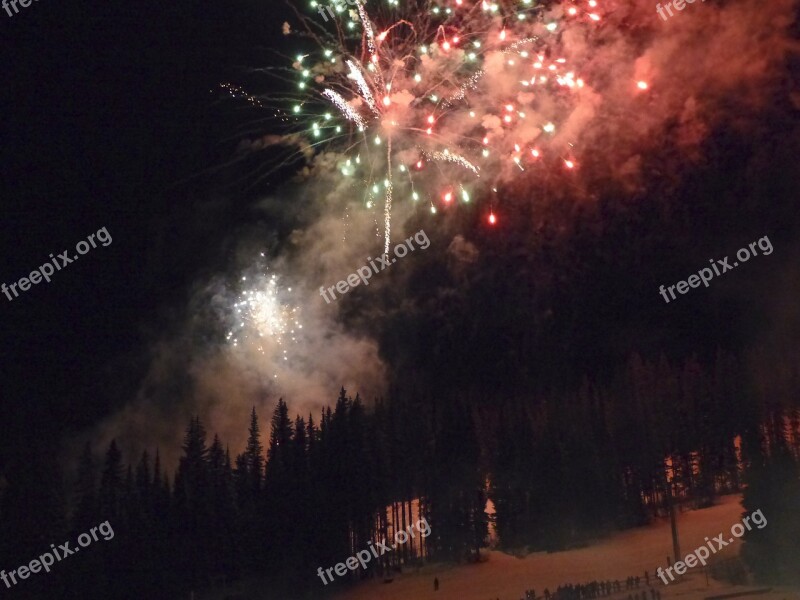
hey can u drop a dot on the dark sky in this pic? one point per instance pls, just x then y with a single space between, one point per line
110 110
107 108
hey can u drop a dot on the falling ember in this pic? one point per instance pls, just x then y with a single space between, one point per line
569 164
642 85
492 218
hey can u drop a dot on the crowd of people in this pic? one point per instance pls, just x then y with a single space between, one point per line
597 589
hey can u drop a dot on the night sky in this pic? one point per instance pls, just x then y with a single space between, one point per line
113 118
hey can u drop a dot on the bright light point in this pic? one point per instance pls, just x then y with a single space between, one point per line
503 35
296 109
535 153
476 44
328 53
338 129
456 39
642 85
424 49
521 115
306 73
573 11
402 168
552 27
511 62
327 116
419 164
434 98
300 58
388 87
375 189
537 65
521 17
509 107
523 54
302 85
486 140
429 131
415 196
594 17
516 147
472 114
507 118
464 196
446 46
580 82
471 56
369 204
386 183
387 101
417 77
382 36
485 153
492 219
448 196
430 119
592 3
569 164
549 128
377 141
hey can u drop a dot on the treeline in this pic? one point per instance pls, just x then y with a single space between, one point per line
559 470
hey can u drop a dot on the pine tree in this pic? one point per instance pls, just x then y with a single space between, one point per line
112 486
193 504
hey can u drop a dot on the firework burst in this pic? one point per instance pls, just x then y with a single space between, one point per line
420 99
262 318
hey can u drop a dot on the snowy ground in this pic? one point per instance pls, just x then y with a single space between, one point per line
632 552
